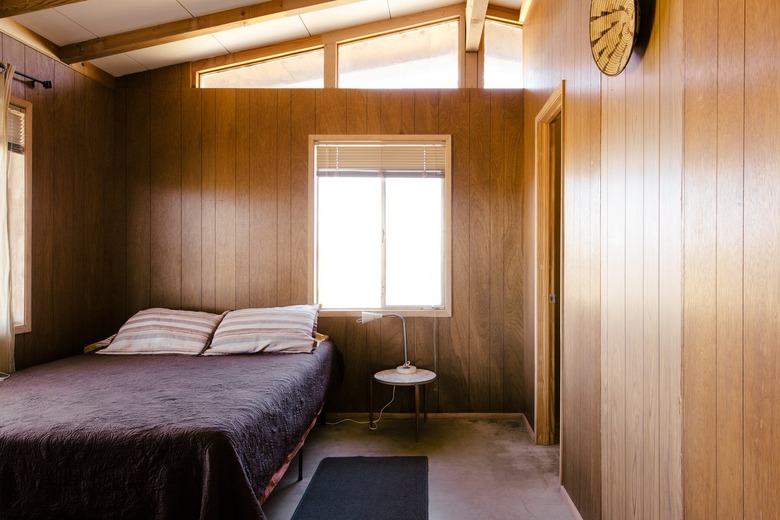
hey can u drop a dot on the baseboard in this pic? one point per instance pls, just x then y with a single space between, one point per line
528 426
572 507
363 416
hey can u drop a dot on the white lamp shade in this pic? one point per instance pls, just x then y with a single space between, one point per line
365 317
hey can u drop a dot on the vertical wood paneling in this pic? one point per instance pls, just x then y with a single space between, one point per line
303 124
138 137
225 208
76 294
208 206
479 248
191 195
244 146
670 266
454 362
166 179
761 308
730 251
249 150
634 295
284 150
699 213
264 213
650 350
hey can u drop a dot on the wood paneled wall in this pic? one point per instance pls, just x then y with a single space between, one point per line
686 207
731 361
77 210
622 296
217 184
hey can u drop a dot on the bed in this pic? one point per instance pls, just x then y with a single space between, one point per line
155 436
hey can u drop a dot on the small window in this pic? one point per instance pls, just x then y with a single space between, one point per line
381 223
425 57
303 70
19 133
503 55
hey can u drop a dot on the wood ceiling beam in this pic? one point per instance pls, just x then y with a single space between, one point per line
14 7
190 28
475 23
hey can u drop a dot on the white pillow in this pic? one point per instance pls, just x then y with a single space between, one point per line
164 331
276 329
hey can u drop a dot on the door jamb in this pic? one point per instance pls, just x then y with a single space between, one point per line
544 365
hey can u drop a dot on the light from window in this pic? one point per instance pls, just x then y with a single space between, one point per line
381 223
19 117
304 70
503 55
425 57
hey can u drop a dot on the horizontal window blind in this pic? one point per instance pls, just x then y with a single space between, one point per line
380 159
16 129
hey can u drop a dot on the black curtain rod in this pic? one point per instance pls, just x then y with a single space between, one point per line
46 84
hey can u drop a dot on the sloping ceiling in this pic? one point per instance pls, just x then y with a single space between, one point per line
122 37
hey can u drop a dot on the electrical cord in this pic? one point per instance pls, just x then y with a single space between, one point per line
4 376
372 428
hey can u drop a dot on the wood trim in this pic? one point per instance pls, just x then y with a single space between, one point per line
191 27
545 368
503 14
524 10
475 23
16 7
572 508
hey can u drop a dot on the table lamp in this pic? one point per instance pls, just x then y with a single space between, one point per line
365 317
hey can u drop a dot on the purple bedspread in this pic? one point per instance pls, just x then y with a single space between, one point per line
162 436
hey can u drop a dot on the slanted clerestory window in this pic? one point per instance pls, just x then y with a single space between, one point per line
423 57
301 70
381 223
503 55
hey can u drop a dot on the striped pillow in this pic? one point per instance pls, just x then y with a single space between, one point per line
277 329
164 331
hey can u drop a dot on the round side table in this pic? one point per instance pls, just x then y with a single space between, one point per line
391 377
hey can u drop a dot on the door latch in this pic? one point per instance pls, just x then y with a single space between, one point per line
553 298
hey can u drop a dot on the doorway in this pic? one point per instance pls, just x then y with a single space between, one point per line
549 259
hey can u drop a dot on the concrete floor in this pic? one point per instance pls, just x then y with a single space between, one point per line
477 469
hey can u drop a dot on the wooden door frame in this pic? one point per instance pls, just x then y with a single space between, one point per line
544 367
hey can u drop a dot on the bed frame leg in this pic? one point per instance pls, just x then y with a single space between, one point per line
300 464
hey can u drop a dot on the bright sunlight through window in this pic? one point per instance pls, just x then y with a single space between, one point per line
304 70
503 55
425 57
381 223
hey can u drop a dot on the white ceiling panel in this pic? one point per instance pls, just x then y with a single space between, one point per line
178 52
105 17
54 26
118 65
201 7
404 7
262 34
326 20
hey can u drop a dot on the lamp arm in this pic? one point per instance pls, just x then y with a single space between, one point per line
403 326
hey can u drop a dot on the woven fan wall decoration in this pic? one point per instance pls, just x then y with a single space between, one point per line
614 25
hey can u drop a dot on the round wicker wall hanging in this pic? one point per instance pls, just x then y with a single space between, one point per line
614 25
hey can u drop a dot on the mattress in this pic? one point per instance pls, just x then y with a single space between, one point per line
156 436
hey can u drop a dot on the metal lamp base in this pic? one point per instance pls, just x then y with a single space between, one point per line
406 369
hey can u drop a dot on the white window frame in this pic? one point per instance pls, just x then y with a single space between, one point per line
25 324
445 310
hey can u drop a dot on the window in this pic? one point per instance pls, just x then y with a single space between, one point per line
303 70
425 57
381 237
503 55
19 192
